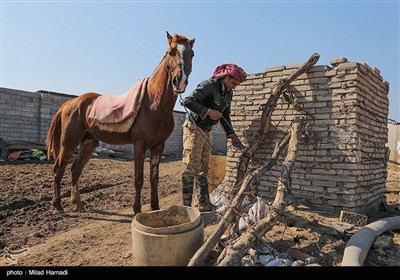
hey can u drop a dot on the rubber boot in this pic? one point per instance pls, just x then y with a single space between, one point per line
187 190
203 196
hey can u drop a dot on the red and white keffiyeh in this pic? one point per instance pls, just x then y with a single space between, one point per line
229 69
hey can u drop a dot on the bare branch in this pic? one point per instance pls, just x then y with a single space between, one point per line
233 254
201 254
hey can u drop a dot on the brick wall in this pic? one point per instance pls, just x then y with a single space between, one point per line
26 117
343 165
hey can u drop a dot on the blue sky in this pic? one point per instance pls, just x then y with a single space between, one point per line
106 46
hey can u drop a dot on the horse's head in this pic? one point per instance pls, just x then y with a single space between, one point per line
179 61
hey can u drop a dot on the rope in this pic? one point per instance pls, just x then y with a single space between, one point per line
240 146
202 133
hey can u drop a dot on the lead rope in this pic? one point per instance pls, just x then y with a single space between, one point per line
202 133
240 146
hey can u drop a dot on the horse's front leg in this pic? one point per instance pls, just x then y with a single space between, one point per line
139 162
156 152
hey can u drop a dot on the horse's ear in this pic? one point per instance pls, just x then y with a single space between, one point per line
192 42
169 37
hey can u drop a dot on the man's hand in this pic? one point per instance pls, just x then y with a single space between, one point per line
214 114
236 142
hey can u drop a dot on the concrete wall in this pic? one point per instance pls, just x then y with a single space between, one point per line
343 165
394 141
26 117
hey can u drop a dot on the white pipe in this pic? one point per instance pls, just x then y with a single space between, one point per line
359 244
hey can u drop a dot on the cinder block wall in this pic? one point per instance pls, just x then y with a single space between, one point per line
343 165
26 116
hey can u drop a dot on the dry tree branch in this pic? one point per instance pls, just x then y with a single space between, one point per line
201 254
244 160
268 109
233 254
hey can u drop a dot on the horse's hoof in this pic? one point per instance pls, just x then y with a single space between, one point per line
59 212
79 209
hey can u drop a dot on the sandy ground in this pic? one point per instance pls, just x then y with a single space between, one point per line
101 236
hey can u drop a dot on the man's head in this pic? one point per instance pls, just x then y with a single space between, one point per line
230 82
232 74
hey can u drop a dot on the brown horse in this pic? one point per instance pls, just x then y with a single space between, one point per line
154 123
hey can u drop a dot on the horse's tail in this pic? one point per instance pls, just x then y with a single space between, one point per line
53 136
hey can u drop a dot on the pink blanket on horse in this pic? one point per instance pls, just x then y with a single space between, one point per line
115 109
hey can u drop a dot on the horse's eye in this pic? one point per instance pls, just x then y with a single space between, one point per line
172 52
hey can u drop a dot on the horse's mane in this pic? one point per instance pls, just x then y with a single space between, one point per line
178 39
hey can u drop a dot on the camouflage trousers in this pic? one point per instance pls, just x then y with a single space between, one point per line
196 155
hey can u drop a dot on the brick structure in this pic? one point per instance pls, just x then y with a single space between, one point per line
342 166
25 117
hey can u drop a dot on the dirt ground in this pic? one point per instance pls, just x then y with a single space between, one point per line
101 236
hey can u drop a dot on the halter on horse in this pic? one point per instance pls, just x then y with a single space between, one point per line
153 125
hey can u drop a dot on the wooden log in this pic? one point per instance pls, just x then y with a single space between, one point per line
243 184
268 109
232 255
201 254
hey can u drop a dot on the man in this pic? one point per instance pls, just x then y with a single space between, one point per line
209 103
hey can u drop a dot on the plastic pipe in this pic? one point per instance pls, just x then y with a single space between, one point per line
359 244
